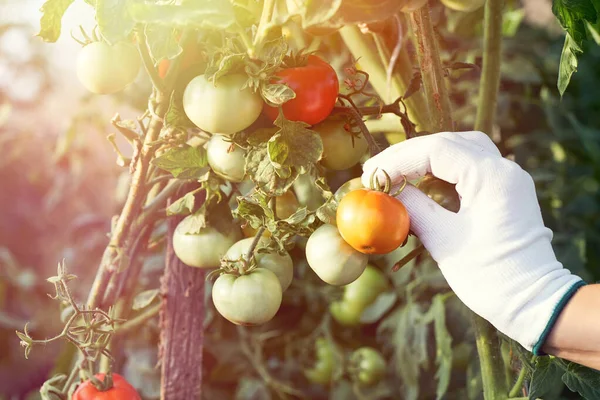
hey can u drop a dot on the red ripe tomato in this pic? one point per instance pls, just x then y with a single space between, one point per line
372 222
316 86
121 390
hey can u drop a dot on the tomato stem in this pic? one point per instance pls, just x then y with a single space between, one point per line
408 258
518 386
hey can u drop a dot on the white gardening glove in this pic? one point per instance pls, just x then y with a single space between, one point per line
495 252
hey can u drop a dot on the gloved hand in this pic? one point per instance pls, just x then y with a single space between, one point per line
495 252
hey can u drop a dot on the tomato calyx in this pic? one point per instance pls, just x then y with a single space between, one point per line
375 184
294 60
102 385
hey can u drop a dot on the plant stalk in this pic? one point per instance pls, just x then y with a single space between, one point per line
131 209
492 368
518 386
432 73
490 74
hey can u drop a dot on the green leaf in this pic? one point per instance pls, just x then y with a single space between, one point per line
382 304
50 23
175 116
214 14
114 21
192 224
263 173
294 146
162 42
252 211
568 63
409 332
277 93
582 380
443 342
185 162
543 380
572 14
144 299
327 212
183 205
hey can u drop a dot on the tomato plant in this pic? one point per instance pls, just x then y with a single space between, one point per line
120 390
225 158
316 86
280 264
367 365
372 222
236 297
251 114
341 147
202 249
332 259
209 104
105 69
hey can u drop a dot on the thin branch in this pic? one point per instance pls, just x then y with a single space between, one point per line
408 258
149 64
518 386
133 323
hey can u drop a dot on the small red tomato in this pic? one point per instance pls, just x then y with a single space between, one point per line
372 222
121 390
316 86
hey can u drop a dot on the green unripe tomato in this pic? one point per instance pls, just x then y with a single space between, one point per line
332 259
322 371
367 366
205 248
281 265
341 148
250 299
225 158
358 295
347 187
105 69
221 107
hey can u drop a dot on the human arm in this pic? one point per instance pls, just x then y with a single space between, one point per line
495 253
576 333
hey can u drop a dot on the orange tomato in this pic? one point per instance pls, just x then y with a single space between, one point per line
372 222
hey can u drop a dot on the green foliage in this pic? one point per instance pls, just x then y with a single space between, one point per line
576 17
186 162
50 23
114 20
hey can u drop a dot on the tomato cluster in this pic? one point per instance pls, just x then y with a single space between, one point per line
338 252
